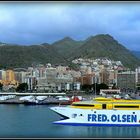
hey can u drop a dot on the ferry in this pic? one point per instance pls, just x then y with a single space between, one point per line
100 111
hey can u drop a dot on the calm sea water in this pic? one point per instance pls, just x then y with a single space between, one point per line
35 121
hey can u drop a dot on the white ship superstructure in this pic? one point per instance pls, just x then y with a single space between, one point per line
100 111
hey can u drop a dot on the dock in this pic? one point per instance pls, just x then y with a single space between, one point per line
15 98
28 93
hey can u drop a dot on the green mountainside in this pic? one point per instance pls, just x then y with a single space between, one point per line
107 46
67 46
24 56
103 45
64 51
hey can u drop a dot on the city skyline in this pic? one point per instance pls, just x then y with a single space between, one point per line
28 23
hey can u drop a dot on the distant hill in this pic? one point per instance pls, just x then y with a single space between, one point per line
24 56
65 50
136 53
102 45
107 46
67 46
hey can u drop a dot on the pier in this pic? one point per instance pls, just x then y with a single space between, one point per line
27 93
31 98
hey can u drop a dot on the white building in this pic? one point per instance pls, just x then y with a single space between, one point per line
2 75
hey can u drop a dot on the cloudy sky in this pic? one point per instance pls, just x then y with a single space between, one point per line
29 23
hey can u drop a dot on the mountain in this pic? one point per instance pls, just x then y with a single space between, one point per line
67 46
13 56
136 53
106 46
65 50
102 45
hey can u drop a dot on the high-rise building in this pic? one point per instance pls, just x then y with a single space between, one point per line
112 78
104 77
31 82
2 75
126 80
20 76
10 76
138 77
86 79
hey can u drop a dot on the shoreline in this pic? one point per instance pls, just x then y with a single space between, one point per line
49 100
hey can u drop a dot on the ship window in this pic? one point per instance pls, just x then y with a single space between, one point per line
103 100
104 106
128 106
83 105
74 115
81 114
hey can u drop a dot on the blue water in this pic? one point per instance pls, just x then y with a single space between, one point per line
35 121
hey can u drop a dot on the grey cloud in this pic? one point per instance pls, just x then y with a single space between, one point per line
32 23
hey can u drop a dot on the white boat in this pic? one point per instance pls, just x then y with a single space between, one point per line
62 98
26 98
41 98
7 97
100 111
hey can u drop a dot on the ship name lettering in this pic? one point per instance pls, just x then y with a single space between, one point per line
98 117
124 118
114 118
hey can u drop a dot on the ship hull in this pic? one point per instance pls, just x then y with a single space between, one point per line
94 117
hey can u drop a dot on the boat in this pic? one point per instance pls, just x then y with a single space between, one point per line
100 111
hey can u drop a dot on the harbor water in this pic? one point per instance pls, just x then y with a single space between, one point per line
36 121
